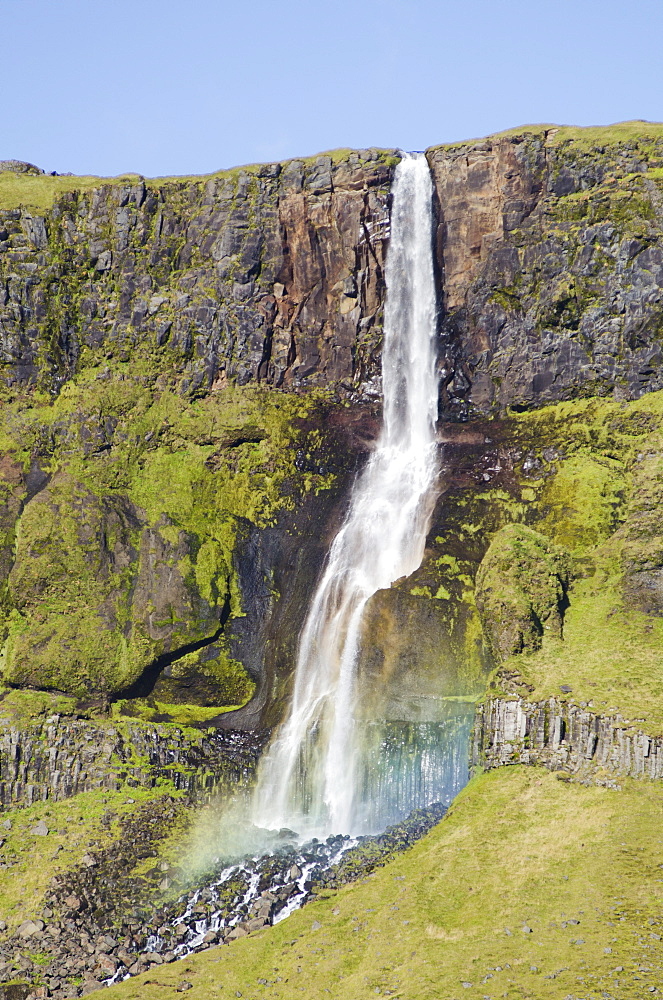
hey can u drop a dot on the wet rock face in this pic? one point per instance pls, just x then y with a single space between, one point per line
551 257
273 274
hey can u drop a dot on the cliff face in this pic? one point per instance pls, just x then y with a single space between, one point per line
179 359
550 247
271 274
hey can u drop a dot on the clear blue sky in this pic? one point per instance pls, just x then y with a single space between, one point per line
165 87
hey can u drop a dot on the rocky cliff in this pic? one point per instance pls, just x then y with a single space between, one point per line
270 274
550 251
190 376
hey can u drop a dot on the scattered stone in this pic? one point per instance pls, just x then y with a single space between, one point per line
30 927
526 929
566 688
184 986
40 830
108 964
316 925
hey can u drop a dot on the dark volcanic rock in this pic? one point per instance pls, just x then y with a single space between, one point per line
271 274
551 256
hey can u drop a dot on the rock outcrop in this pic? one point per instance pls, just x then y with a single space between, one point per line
550 248
562 736
63 757
521 589
272 274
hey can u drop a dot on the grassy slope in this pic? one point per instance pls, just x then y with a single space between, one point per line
518 848
611 656
38 191
584 137
604 471
29 862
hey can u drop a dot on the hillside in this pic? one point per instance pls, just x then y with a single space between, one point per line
190 379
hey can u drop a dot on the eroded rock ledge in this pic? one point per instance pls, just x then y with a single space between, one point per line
61 758
560 735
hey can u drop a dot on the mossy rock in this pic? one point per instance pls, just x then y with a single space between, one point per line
98 595
642 535
208 678
521 590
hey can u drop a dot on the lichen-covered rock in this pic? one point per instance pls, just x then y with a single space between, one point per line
550 242
267 274
521 590
642 534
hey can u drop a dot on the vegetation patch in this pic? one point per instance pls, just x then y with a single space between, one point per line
29 860
530 887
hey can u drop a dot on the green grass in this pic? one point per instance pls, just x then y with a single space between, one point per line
38 192
518 848
75 828
583 137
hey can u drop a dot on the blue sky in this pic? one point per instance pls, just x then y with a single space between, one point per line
163 87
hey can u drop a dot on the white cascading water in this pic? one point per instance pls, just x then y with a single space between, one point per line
308 779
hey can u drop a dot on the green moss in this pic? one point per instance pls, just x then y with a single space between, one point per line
178 714
21 706
583 501
169 497
84 611
596 489
518 849
38 192
29 861
520 589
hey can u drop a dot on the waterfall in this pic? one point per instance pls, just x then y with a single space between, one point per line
310 779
